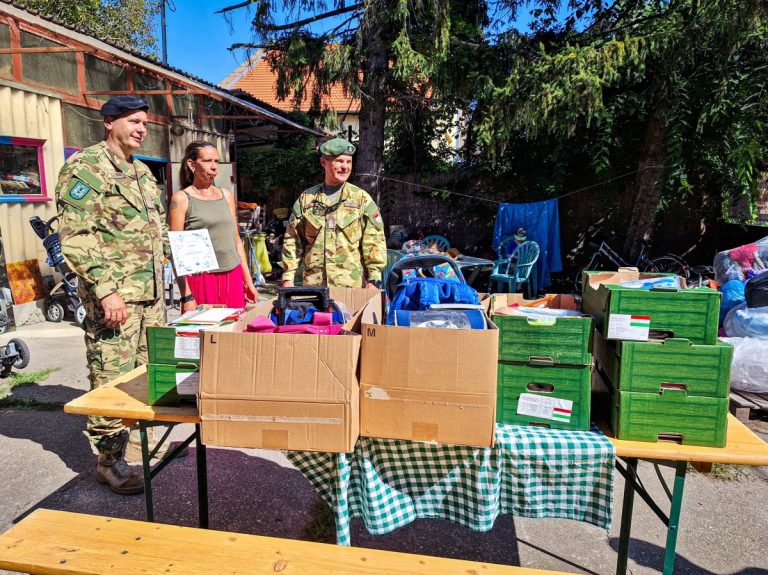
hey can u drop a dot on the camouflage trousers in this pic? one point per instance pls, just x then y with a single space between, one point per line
111 352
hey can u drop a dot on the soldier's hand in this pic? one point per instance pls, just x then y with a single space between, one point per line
369 285
115 312
190 305
287 283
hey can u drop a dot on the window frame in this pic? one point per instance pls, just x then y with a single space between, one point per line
21 198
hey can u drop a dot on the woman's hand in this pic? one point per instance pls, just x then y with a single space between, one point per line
189 306
251 293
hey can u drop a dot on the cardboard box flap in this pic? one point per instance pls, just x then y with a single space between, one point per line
283 367
330 427
410 358
549 301
595 280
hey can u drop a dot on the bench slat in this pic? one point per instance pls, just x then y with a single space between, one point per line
61 543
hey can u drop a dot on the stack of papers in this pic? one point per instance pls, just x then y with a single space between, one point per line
206 317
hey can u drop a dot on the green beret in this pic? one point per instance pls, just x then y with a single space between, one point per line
337 147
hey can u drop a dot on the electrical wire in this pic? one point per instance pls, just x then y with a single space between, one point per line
478 198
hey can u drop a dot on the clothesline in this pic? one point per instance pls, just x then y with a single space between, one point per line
444 191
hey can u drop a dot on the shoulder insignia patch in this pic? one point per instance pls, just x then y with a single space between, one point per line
79 190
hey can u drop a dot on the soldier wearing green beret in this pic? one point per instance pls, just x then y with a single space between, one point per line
114 237
335 228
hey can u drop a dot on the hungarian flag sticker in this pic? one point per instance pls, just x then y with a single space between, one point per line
632 327
545 407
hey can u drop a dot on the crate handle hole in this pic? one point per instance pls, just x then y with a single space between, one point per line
541 387
671 437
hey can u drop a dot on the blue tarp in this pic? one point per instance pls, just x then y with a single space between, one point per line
542 221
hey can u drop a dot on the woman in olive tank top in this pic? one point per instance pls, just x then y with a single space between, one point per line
201 205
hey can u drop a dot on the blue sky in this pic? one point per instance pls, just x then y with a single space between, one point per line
198 38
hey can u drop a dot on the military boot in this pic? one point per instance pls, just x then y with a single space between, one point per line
112 468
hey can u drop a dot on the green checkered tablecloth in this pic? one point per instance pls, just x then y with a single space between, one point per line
531 472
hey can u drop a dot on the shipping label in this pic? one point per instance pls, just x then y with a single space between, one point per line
631 327
545 407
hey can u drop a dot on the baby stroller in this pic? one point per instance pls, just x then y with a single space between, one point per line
63 298
15 353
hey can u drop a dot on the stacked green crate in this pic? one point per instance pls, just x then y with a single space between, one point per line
683 313
174 364
545 365
673 389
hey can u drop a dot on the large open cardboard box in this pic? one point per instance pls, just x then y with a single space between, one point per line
282 391
427 384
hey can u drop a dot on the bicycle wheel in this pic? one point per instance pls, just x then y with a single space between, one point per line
671 264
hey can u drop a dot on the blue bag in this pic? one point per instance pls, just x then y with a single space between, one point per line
419 293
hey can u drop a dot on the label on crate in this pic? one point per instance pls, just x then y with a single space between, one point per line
188 383
545 407
186 347
631 327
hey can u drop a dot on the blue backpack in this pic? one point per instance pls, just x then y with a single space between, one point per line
419 294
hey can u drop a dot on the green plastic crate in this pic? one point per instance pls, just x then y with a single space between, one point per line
562 382
649 366
670 416
162 383
161 342
686 313
562 341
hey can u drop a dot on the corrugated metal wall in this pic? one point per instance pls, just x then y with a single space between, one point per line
29 115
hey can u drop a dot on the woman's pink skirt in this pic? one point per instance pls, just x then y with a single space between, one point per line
223 288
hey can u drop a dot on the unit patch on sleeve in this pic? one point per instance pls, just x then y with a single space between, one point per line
79 190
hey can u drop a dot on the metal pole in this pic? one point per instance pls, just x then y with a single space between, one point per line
162 26
674 517
626 515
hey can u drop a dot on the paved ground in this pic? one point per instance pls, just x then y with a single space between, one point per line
45 461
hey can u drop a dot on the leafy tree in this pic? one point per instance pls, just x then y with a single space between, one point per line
690 74
390 54
126 22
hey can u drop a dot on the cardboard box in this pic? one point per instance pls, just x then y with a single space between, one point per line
427 384
648 366
561 341
282 391
682 313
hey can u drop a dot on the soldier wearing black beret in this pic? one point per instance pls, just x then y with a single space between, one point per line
114 236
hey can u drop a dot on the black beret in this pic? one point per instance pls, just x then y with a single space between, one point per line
117 105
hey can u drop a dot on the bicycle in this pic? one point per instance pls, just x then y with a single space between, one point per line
606 257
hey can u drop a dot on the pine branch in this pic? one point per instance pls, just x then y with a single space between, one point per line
235 7
299 23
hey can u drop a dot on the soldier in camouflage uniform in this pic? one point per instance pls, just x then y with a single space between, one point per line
335 228
114 237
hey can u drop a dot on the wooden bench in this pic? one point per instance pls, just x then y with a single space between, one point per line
47 542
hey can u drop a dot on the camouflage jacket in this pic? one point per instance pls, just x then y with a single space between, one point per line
340 245
112 225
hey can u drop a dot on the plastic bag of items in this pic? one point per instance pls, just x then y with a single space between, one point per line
749 367
743 321
742 262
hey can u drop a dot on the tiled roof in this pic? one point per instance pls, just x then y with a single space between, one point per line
268 109
257 78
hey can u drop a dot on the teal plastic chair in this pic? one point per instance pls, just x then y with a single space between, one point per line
393 256
506 247
512 271
442 243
